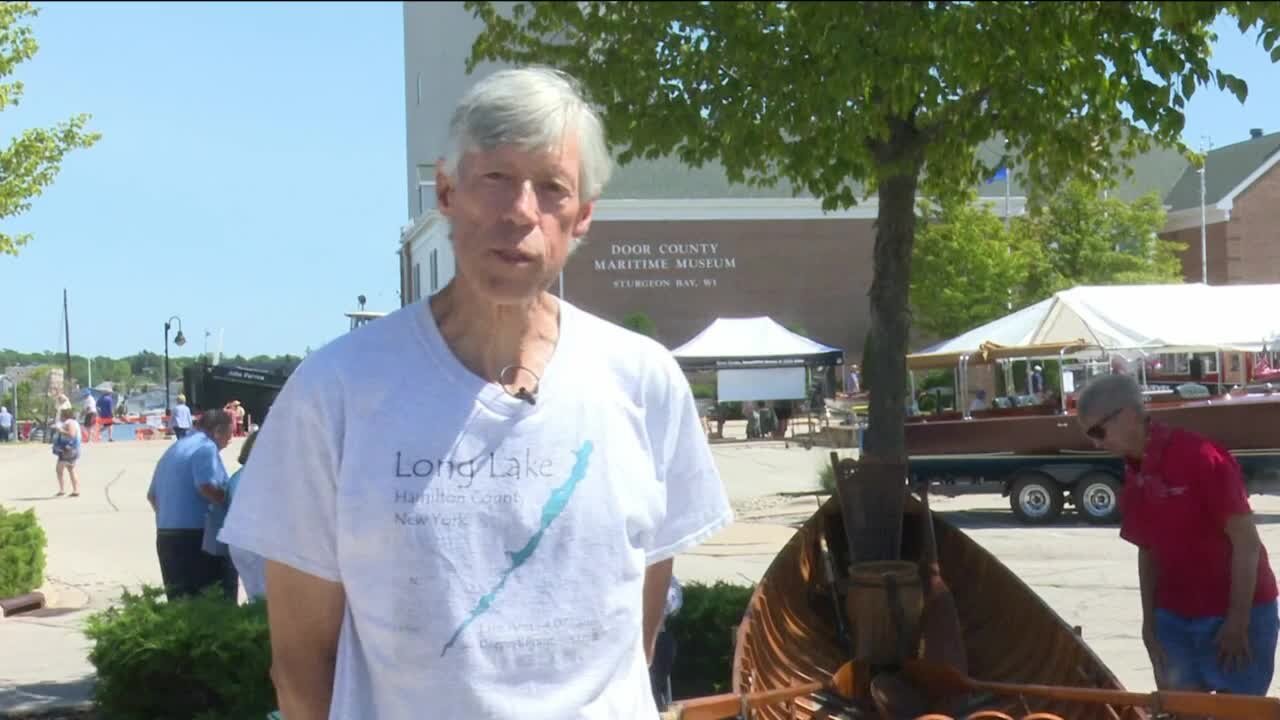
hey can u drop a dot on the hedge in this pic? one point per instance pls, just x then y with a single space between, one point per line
22 546
208 659
704 631
202 658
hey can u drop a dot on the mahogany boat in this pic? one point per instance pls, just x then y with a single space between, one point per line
790 633
1244 422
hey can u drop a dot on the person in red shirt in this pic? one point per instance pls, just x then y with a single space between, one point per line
1209 612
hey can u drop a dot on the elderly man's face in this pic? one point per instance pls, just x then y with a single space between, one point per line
222 437
514 214
1116 431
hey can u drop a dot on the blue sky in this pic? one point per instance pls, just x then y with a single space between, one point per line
251 171
250 175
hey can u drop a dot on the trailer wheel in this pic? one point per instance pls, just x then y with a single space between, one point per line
1036 499
1097 498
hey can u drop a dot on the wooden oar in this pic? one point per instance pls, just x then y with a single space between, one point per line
730 705
941 681
940 629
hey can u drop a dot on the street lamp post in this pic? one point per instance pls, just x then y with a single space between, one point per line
179 340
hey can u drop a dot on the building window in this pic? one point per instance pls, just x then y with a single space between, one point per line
435 271
416 281
426 188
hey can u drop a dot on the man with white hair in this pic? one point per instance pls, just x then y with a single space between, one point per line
1209 614
508 554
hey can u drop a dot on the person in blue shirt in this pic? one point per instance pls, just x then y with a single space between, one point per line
181 418
190 476
106 413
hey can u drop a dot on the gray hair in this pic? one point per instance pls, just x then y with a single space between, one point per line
1109 392
215 420
531 108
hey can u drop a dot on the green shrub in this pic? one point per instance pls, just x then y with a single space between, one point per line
22 544
704 631
201 657
827 477
703 391
640 323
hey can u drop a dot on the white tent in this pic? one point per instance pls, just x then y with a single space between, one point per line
755 358
757 339
1171 318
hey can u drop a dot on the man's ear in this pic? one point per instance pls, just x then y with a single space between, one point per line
583 223
444 190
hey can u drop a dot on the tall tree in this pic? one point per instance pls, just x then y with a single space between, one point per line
969 269
32 160
889 98
1085 238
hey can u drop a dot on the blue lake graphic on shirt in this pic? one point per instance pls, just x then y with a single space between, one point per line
552 509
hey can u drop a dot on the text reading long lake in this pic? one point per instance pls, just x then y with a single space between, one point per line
465 471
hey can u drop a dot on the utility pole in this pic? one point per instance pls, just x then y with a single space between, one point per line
1205 143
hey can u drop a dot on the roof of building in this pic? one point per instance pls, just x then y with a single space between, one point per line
1225 169
1161 170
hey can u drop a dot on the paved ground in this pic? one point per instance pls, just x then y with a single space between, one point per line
103 541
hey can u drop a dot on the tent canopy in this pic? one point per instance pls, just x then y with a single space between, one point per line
990 352
753 341
1166 318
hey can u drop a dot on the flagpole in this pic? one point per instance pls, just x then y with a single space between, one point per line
1008 183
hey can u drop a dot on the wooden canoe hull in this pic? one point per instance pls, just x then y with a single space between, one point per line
788 634
1244 423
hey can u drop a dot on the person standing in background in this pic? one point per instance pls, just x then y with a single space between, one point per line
190 476
106 413
1210 619
90 407
6 424
66 447
181 418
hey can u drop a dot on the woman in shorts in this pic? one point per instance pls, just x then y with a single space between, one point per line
66 448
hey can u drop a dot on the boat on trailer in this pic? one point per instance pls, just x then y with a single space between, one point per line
1035 448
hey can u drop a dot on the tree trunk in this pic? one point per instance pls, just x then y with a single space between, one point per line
873 494
890 319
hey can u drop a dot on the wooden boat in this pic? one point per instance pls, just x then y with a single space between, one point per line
789 632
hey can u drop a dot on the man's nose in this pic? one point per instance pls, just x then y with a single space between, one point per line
523 208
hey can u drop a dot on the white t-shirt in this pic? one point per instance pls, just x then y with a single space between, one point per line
493 552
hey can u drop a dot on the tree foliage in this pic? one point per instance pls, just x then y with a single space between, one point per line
1083 238
140 371
31 161
849 99
969 269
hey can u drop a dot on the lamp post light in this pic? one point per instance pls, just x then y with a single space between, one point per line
179 340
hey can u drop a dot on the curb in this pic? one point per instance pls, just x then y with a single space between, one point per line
18 604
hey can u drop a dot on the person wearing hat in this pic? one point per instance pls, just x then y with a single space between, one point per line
181 418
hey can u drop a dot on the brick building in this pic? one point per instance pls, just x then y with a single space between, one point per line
684 246
1242 213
